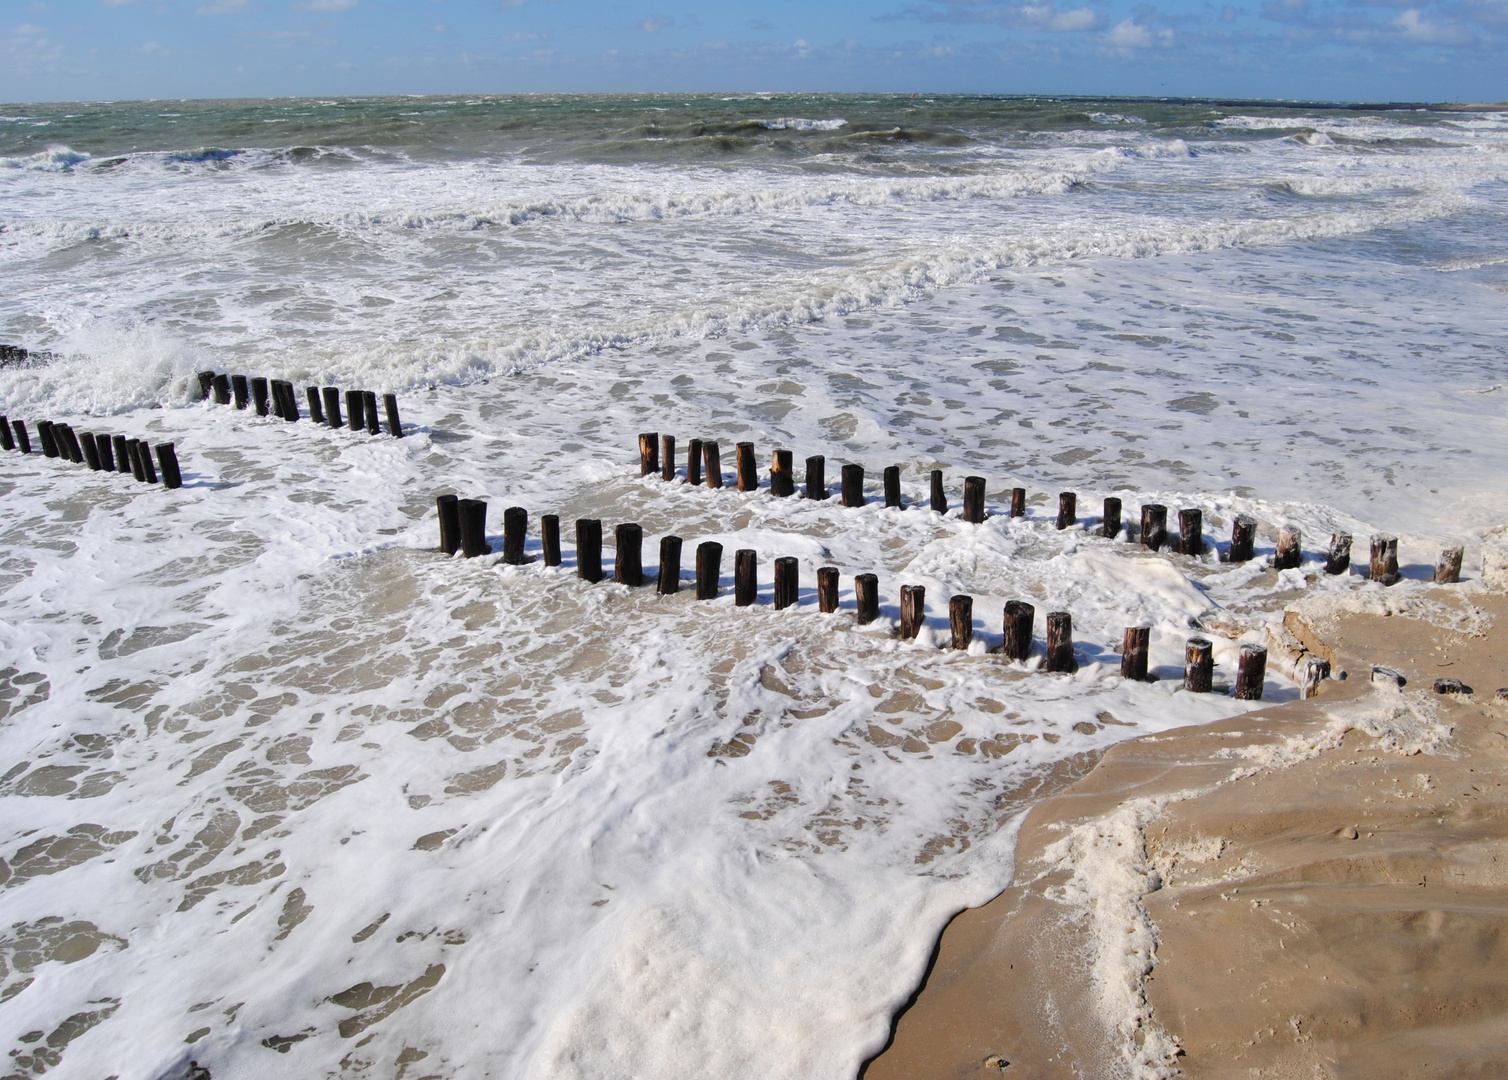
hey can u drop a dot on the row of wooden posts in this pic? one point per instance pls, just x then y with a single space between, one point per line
102 453
703 455
276 397
463 528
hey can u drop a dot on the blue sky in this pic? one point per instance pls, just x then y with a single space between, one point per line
1348 49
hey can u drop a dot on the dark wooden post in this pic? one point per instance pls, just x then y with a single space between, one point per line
1191 532
1289 552
973 499
91 454
1251 672
1384 559
1110 525
167 457
670 558
259 395
816 477
5 436
589 549
1198 665
450 523
242 392
1018 502
316 413
694 462
148 471
712 459
649 453
709 568
853 485
866 594
782 474
369 402
913 610
667 456
206 384
1134 648
1154 525
549 535
394 422
1448 566
1243 538
1019 616
745 577
787 582
275 388
1059 656
222 389
961 620
332 406
23 440
628 554
893 486
515 530
356 401
1339 559
290 403
133 448
748 470
122 453
70 445
105 448
1068 510
939 497
474 528
49 440
827 589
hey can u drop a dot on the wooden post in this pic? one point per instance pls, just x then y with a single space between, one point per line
712 459
667 456
787 582
1384 559
49 441
290 403
1110 525
515 530
332 406
1154 525
1134 648
5 436
167 457
1018 502
106 451
709 568
694 462
1251 672
973 499
1198 665
206 384
122 453
913 610
1019 616
148 471
670 557
589 549
649 453
827 589
1289 552
1339 559
745 577
23 440
866 594
782 474
1313 672
242 392
259 395
450 523
394 422
356 401
961 620
1448 566
1059 657
275 391
1068 510
316 413
1243 538
628 554
1191 532
939 497
70 445
133 449
369 402
549 535
473 528
748 470
853 485
221 386
893 486
91 454
816 477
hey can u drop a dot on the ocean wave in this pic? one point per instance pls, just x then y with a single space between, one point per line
53 159
796 123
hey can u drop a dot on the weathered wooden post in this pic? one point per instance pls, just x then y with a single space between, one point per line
1339 559
167 457
1059 656
913 610
1134 648
667 456
515 530
748 471
853 485
1198 665
745 577
1110 525
332 406
827 589
1384 559
712 459
1018 502
450 523
148 471
1251 672
104 447
1312 672
589 549
649 453
259 395
1068 510
275 394
394 422
290 403
787 582
866 594
70 445
694 462
356 401
961 620
1191 532
628 554
242 392
670 559
973 499
122 453
91 451
206 384
23 440
549 536
939 497
5 436
816 477
1243 538
316 413
1019 616
473 528
1448 566
893 486
48 440
782 474
133 448
1289 553
1154 525
369 404
221 386
709 568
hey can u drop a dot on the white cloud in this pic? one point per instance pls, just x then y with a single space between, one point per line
1416 27
28 30
1130 35
655 23
1050 18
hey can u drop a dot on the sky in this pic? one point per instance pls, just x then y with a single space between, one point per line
1352 50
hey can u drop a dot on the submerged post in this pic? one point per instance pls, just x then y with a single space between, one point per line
667 455
1338 561
1198 665
206 384
913 610
628 554
473 528
70 445
694 462
1134 650
239 388
332 406
356 401
939 497
105 448
1384 559
853 485
122 453
866 592
1243 538
1068 510
167 457
712 459
1251 672
827 589
1019 616
748 471
670 561
787 582
148 472
745 577
1018 502
1191 532
1448 566
259 395
316 413
589 549
515 530
893 486
649 453
5 436
709 568
91 454
450 523
1154 525
782 474
394 424
549 536
1110 525
973 499
221 386
369 404
816 477
961 620
1059 657
1289 553
23 440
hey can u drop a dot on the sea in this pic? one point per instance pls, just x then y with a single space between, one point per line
287 791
